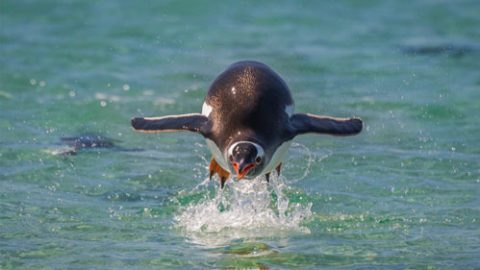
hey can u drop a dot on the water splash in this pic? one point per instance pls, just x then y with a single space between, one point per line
242 209
300 159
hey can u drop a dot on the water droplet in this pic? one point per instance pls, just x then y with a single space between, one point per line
100 96
148 92
103 103
33 81
126 87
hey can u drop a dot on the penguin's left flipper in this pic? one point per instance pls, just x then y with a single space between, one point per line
309 123
193 122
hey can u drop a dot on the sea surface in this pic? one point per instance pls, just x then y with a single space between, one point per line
79 189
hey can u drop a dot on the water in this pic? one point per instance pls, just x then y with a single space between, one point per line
403 194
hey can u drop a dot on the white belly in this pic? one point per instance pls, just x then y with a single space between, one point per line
277 157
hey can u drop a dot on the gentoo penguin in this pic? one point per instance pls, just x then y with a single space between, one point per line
248 122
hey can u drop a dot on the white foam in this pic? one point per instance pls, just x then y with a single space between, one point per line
242 209
60 151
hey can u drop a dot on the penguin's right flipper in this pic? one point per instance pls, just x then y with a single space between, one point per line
310 123
193 122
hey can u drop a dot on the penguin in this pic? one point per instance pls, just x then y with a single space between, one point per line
248 122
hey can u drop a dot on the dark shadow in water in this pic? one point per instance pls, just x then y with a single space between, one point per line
89 141
72 145
450 49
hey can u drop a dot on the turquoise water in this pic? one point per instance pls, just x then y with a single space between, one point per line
405 194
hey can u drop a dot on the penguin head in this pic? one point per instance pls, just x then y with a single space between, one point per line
246 159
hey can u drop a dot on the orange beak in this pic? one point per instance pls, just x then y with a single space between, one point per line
241 172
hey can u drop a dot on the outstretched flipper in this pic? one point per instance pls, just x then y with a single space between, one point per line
307 123
193 122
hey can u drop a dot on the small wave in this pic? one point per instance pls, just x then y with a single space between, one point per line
243 209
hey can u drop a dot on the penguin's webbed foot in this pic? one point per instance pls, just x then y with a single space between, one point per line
215 168
278 169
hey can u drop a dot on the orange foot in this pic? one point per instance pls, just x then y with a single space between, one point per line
215 168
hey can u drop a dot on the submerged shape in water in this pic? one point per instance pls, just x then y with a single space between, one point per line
89 141
453 49
71 145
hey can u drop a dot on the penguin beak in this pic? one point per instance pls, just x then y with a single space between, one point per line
242 169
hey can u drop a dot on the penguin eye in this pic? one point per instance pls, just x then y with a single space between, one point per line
258 160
